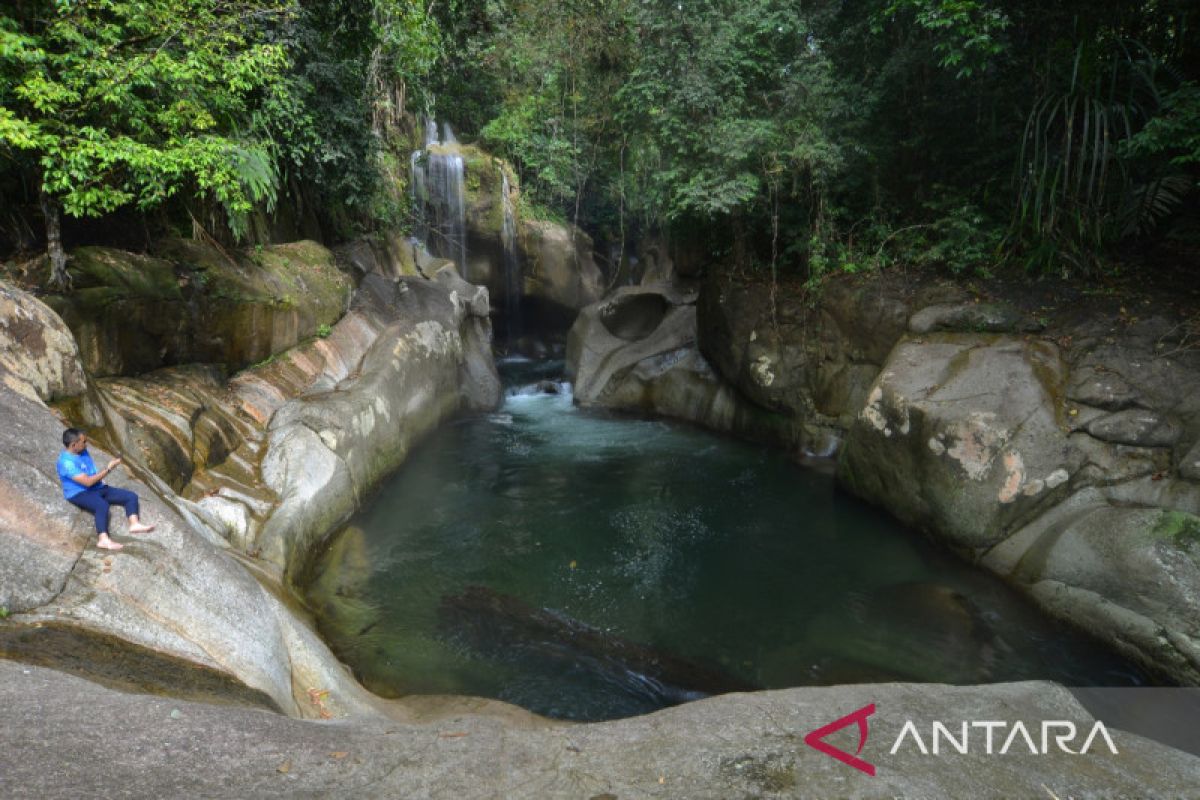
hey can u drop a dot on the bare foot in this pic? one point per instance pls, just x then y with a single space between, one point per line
105 543
140 528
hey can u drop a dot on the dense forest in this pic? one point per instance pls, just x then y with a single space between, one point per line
973 136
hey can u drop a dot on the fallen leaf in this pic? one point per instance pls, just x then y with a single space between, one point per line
338 754
285 767
663 778
453 735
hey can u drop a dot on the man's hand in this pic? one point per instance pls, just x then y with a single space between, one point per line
116 462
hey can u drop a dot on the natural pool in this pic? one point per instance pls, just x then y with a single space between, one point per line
590 567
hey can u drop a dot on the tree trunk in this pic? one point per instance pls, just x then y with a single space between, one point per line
59 279
741 258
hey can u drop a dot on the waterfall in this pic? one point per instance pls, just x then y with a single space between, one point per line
439 197
419 196
512 263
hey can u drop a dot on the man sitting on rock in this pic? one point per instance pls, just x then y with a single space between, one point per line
84 487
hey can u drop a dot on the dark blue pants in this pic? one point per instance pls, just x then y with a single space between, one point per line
98 501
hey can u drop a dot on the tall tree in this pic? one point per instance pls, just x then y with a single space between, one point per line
116 102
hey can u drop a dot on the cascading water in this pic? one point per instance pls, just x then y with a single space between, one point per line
512 263
439 197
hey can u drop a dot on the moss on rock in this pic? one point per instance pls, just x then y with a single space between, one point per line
190 302
1179 528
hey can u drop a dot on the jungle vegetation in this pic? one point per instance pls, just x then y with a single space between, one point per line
807 137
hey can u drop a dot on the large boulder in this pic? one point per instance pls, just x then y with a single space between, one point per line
636 351
806 367
963 435
974 438
38 356
188 303
560 273
1130 575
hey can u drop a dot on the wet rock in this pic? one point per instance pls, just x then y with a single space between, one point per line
558 265
970 318
1189 465
1131 576
962 436
38 355
1138 427
1101 388
659 372
595 354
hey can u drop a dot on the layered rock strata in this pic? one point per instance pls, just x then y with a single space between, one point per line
241 477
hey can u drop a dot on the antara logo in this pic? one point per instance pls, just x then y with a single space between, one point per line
816 738
1011 736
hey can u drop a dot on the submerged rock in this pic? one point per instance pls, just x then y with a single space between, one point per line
504 627
912 631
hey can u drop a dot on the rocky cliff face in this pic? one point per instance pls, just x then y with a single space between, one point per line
1064 459
240 476
189 303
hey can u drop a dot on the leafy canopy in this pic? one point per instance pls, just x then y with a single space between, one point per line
121 101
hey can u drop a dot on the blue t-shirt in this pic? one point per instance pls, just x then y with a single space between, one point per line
70 465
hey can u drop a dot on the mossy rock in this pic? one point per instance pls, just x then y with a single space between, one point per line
190 302
1178 528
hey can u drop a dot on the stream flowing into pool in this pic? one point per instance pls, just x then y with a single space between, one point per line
587 566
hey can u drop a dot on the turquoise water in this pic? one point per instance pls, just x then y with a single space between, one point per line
589 567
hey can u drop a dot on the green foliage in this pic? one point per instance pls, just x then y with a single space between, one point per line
354 64
124 102
1175 132
112 103
1078 189
737 100
323 330
968 32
